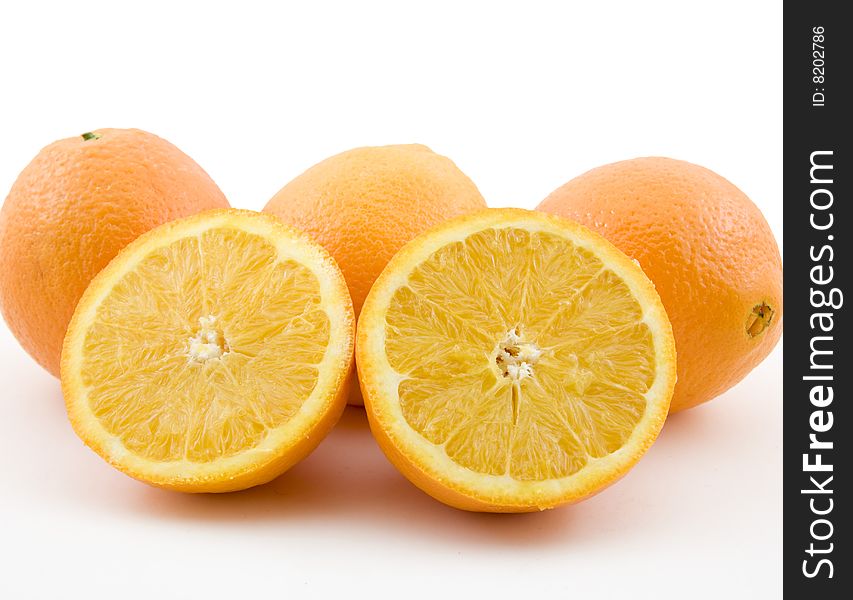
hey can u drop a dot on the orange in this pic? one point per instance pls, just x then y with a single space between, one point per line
211 354
707 248
363 205
72 209
512 361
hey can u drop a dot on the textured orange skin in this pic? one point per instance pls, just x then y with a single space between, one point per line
363 205
72 209
707 248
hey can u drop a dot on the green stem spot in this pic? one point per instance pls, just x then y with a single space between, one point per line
90 136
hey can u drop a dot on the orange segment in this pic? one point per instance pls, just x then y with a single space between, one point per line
513 361
211 354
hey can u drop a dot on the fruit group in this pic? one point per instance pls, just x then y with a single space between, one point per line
707 248
211 354
512 361
72 209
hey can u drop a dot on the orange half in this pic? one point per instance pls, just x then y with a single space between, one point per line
211 354
512 361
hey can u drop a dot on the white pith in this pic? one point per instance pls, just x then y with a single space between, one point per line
208 343
515 356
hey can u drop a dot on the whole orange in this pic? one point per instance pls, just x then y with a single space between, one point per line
707 248
71 210
363 205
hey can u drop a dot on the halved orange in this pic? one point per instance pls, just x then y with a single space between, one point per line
513 361
211 354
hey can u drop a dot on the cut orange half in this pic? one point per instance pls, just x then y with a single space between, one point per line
512 361
211 354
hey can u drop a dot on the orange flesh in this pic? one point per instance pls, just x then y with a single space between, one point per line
189 358
520 354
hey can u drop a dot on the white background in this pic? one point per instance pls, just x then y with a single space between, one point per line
523 97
